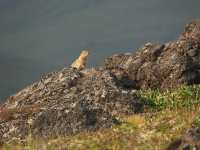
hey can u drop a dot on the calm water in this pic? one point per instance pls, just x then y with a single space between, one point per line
39 36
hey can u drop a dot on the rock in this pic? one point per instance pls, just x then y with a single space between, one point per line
162 66
66 102
190 141
71 101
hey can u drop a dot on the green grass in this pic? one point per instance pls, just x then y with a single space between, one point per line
184 97
167 116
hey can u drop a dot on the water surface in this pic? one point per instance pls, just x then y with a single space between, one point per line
39 36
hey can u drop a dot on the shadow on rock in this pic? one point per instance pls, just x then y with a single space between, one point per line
67 102
162 66
190 141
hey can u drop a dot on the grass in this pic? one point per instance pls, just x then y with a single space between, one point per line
167 116
183 97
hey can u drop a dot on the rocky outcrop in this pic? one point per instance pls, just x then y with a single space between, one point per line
65 103
71 101
190 141
162 66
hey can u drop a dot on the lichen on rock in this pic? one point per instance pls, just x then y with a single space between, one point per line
71 100
65 103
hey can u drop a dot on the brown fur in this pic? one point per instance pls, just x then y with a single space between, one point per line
80 63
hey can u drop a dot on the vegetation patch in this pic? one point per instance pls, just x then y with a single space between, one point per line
184 97
167 117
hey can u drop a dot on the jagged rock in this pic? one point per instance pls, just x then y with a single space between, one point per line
70 101
65 103
162 66
190 141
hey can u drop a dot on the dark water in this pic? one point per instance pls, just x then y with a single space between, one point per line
39 36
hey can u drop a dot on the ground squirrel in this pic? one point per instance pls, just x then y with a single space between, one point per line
81 61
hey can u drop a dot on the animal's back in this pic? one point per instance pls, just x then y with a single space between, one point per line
80 63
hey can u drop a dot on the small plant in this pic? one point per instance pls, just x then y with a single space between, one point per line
168 116
196 122
163 127
183 97
125 127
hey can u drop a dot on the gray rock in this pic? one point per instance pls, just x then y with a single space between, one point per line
70 101
162 66
66 102
190 141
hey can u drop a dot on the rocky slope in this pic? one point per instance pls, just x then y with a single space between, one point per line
67 102
162 66
71 101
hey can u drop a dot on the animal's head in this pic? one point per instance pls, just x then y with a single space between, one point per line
84 53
